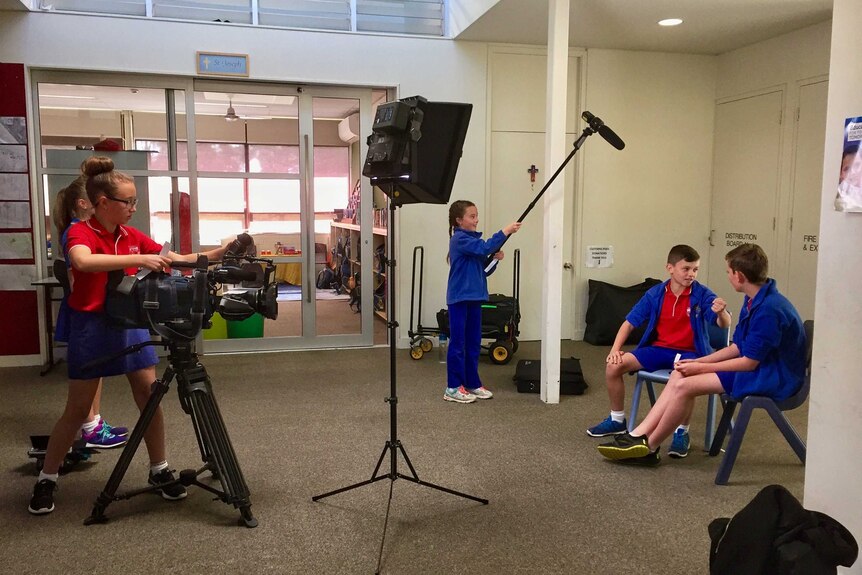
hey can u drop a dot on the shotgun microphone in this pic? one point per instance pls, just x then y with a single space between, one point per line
605 132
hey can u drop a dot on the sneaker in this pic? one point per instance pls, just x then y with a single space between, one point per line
607 427
679 444
102 438
625 446
649 460
118 431
170 488
458 395
481 393
42 501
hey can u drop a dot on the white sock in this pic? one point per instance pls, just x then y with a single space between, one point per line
683 428
158 467
90 426
618 416
49 476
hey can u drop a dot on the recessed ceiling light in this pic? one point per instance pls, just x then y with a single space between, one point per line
670 22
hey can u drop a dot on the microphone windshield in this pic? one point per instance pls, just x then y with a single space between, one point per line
611 137
238 247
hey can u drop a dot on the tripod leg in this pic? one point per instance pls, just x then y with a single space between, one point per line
374 477
415 479
217 449
160 387
385 524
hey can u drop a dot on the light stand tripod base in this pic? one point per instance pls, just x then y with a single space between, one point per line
393 446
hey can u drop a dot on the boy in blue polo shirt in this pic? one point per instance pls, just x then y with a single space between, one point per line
767 357
677 313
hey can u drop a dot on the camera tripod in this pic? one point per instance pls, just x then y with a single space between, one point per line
217 453
394 446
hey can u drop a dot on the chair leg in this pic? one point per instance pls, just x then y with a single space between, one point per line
636 400
788 431
733 445
651 391
709 435
723 427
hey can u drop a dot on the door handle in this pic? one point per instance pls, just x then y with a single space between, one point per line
710 238
568 266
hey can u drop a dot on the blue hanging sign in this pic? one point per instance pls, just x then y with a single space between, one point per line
216 64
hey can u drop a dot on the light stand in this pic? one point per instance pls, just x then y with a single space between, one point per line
217 453
394 445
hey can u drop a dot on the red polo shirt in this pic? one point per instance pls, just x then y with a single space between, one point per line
88 288
673 329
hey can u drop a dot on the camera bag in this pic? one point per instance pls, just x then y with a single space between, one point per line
528 376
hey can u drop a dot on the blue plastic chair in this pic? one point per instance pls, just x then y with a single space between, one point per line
719 337
775 410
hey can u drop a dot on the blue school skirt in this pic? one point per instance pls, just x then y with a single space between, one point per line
93 336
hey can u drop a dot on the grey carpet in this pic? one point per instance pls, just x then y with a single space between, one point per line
304 423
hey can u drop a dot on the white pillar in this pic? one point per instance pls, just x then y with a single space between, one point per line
833 470
554 208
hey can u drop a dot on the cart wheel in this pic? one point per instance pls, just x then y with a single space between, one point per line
500 352
426 344
416 352
515 345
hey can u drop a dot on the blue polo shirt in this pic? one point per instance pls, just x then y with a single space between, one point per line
771 332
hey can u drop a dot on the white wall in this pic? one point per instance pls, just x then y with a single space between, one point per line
833 474
462 13
654 193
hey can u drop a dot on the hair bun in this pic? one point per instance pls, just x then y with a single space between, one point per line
97 165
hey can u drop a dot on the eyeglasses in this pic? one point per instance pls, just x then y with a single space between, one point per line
130 203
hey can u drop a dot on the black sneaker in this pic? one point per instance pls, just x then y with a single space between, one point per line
650 460
42 501
625 446
170 488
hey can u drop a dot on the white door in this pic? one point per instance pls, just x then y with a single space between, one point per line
745 183
807 180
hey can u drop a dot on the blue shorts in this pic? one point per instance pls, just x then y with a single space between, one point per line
726 378
93 336
653 358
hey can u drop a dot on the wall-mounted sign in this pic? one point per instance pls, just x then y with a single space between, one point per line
849 198
216 64
733 239
600 257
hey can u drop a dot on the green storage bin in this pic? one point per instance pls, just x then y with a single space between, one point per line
249 327
218 329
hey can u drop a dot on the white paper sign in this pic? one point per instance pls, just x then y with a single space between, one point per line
600 257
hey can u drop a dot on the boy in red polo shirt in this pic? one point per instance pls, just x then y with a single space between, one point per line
677 313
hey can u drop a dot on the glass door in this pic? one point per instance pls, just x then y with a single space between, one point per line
276 161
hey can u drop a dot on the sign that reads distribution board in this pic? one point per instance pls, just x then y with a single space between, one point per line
217 64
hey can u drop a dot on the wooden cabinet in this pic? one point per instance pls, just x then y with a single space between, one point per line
345 240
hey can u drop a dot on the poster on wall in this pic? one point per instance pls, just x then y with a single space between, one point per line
849 198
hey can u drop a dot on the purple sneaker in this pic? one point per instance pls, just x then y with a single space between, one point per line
102 438
118 431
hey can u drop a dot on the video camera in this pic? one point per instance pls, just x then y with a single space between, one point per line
178 307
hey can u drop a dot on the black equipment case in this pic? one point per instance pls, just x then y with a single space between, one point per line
528 376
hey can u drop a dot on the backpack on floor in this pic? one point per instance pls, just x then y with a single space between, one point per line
528 376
